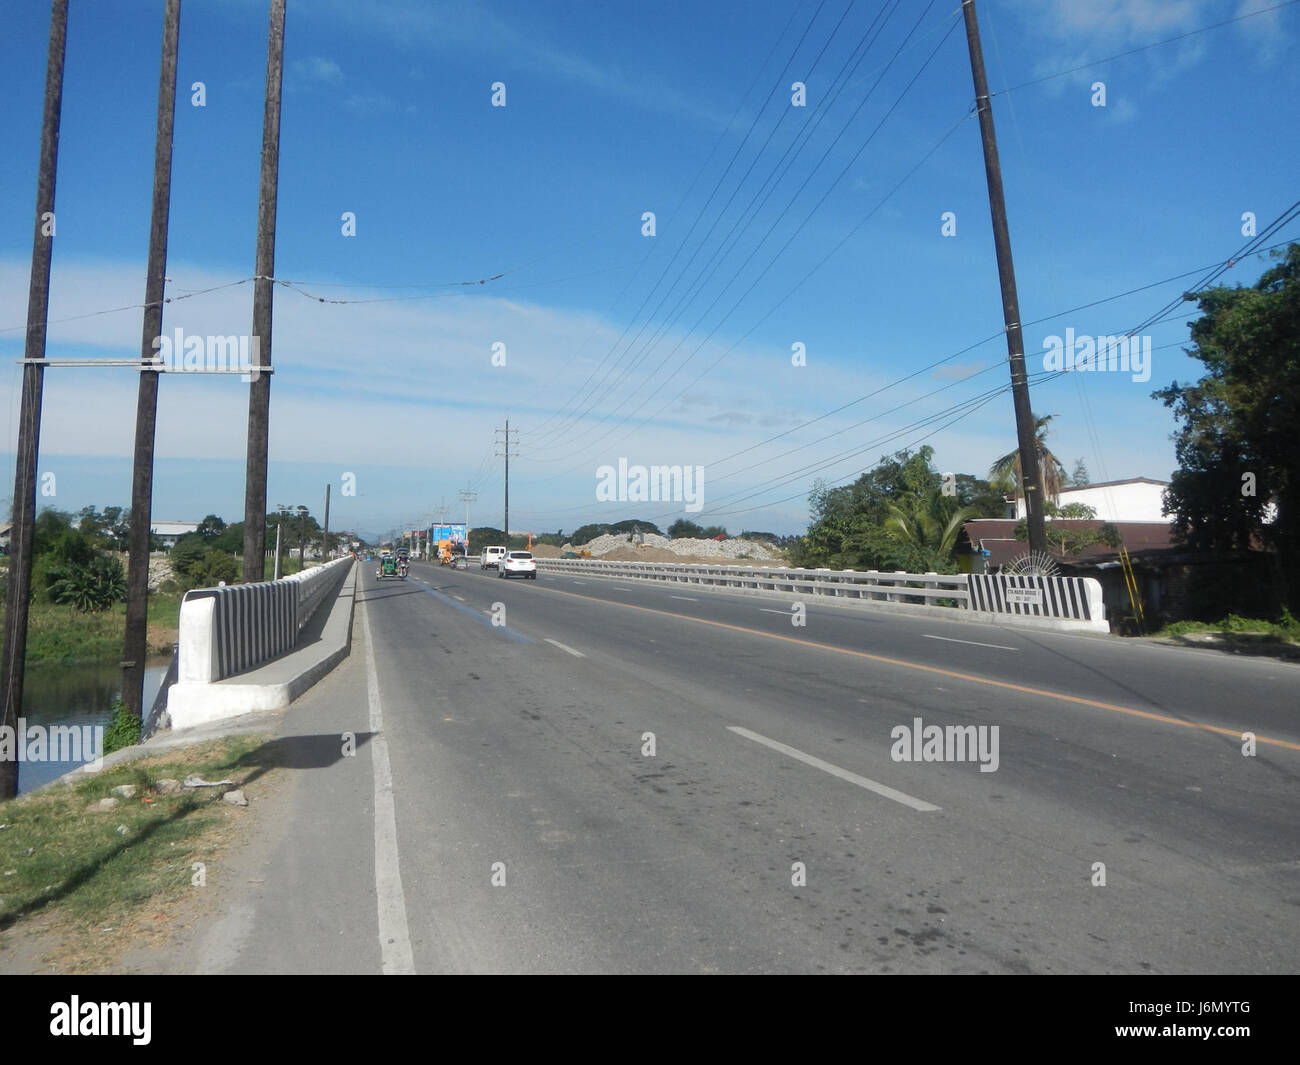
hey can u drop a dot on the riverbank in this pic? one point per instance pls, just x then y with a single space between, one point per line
63 635
90 872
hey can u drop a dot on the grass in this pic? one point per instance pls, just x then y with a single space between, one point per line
288 565
90 869
1233 627
63 634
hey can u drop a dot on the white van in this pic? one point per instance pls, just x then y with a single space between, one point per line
491 557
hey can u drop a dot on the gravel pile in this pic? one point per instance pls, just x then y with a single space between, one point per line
685 547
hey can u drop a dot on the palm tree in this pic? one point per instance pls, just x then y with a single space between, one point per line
926 526
1005 473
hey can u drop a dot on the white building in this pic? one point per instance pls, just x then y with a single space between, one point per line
1137 499
171 531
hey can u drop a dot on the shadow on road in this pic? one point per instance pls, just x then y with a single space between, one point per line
370 597
319 751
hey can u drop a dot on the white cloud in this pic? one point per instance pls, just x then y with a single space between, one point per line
314 70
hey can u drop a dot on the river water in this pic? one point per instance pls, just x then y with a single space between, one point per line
77 695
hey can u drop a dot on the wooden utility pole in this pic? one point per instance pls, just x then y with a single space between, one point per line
1030 479
29 424
259 389
146 411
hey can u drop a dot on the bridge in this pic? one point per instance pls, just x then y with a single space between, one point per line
601 773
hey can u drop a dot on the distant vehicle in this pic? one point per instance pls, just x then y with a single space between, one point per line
518 564
403 552
491 557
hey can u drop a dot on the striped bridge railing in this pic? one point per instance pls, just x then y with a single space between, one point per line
237 627
1077 598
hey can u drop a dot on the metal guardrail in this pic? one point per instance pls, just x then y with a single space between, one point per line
237 627
928 589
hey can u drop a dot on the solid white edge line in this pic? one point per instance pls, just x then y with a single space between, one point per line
973 643
394 934
835 771
564 647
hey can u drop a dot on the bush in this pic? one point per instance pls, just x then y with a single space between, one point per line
215 567
123 729
90 588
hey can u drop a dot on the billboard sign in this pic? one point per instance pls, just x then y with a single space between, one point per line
455 533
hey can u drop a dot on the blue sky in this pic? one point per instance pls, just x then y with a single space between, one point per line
776 225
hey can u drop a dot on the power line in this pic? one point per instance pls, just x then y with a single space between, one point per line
718 185
798 229
753 284
1144 48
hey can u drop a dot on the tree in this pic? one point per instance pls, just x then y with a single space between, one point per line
1005 472
485 537
1072 539
1237 444
211 527
187 558
895 516
232 540
927 524
1079 478
683 527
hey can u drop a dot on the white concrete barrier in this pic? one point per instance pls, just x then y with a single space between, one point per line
232 629
1073 603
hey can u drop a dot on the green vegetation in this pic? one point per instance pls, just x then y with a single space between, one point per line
123 729
1286 630
901 515
100 869
1238 482
586 533
1005 474
64 635
682 529
1062 540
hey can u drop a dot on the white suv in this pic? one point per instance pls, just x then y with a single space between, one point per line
491 557
518 563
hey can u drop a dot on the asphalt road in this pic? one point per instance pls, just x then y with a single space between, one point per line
526 827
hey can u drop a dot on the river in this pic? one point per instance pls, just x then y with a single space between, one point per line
78 695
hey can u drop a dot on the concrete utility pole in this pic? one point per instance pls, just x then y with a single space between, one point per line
29 425
325 537
276 568
506 440
1030 477
259 390
467 496
146 411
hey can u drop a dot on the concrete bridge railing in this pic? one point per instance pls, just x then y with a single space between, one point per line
232 629
1060 602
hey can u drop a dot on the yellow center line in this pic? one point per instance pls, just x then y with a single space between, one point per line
1078 700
